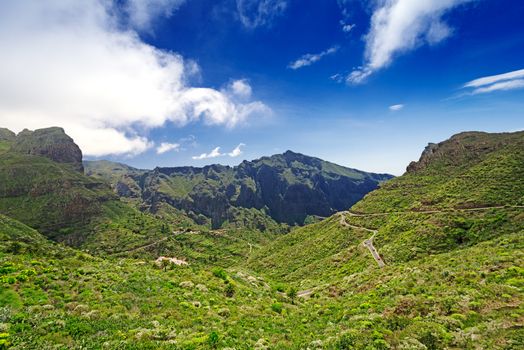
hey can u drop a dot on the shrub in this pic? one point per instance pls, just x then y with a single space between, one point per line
212 339
229 290
292 294
220 273
277 307
4 341
280 288
346 342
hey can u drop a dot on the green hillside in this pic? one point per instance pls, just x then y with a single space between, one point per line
458 211
450 231
49 196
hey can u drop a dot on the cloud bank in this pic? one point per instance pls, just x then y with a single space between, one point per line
74 64
309 59
399 26
501 82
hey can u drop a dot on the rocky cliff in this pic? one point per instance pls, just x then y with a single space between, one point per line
288 187
52 143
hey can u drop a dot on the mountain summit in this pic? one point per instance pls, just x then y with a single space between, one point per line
52 143
288 187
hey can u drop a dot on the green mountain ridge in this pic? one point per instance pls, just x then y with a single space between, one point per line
288 187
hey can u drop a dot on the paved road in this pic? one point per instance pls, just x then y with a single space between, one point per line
435 211
368 243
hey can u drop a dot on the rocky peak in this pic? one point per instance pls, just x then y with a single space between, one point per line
461 149
7 135
52 143
425 158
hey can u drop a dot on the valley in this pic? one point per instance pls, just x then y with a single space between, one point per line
432 259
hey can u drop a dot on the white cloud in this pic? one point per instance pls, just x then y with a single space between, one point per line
399 26
309 59
258 13
71 63
500 82
502 86
166 147
141 13
395 108
213 154
240 88
347 27
237 151
517 74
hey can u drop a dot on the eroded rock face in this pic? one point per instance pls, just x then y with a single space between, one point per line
7 135
425 158
458 150
288 187
52 143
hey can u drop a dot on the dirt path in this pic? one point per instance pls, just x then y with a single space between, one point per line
368 243
142 247
304 293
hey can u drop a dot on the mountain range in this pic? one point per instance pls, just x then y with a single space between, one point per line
288 187
283 252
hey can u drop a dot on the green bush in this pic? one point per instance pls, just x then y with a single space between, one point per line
277 307
212 339
220 273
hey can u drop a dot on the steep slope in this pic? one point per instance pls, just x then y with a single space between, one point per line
42 185
52 197
466 190
451 232
125 180
18 238
288 187
52 143
43 188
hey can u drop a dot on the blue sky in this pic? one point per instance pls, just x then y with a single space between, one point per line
365 84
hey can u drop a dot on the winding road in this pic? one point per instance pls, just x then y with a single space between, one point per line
434 211
368 243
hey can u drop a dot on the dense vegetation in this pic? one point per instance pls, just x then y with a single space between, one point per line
451 231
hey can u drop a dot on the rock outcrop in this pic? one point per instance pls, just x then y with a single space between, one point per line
52 143
7 135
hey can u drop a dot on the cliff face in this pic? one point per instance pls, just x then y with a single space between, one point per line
7 135
288 187
461 149
43 184
52 143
